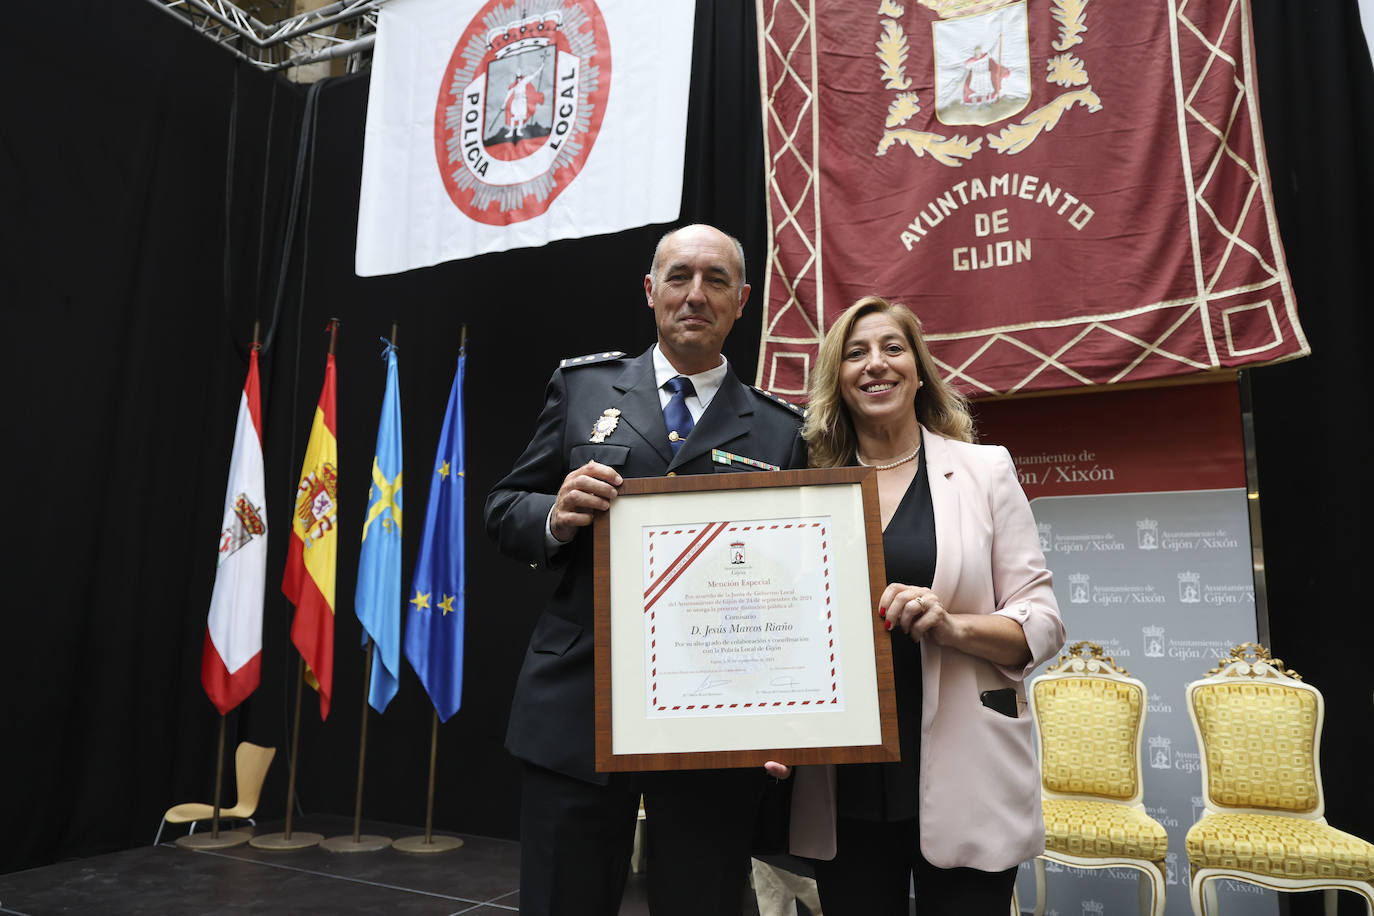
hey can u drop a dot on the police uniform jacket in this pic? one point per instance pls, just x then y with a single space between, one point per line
552 715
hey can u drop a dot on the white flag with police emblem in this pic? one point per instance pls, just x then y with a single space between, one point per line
498 124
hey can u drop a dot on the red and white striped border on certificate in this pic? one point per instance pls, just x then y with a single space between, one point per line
659 585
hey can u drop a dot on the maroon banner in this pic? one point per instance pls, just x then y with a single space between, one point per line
1156 440
1066 193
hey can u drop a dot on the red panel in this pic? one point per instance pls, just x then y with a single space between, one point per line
1163 439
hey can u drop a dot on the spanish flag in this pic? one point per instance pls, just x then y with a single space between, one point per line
313 554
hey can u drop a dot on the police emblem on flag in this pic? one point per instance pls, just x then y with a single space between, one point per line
521 105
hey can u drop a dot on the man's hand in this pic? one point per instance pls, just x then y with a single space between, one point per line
777 770
585 491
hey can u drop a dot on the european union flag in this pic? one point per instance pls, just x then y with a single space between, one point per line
378 598
434 631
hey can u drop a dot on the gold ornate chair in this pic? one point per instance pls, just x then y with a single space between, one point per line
1089 716
1259 731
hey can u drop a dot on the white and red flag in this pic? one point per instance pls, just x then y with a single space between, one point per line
230 665
497 124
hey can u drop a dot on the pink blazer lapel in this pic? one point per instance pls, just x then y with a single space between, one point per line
944 499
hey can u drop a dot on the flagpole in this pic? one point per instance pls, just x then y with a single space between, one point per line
359 842
219 781
429 842
216 839
286 840
433 762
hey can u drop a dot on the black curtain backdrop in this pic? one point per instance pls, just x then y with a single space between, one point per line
132 290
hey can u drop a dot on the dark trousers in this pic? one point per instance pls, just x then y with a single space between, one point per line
870 876
576 838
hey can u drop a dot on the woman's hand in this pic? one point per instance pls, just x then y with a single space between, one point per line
916 610
920 613
777 770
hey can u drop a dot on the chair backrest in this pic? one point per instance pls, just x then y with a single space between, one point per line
1089 716
1259 731
250 767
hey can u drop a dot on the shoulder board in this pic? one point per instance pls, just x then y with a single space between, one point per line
782 402
589 359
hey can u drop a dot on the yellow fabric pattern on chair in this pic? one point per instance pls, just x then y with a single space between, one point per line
1096 829
1259 739
1101 718
1259 728
1089 715
1278 846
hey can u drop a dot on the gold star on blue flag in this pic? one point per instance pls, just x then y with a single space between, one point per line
434 634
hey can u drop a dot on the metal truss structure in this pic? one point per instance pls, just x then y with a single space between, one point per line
344 29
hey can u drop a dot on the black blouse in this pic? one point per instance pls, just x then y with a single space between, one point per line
889 791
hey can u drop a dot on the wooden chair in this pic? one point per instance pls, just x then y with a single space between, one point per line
1089 717
1259 730
250 768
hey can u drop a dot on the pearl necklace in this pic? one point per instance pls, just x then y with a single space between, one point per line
887 467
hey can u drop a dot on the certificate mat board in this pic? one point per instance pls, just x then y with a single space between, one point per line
768 584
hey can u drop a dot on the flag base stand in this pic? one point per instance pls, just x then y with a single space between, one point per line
225 840
367 842
280 841
421 845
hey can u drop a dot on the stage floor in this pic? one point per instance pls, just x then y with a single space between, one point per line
482 878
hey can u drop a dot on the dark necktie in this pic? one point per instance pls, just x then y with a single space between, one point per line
675 413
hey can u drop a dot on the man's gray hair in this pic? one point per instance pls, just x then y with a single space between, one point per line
739 253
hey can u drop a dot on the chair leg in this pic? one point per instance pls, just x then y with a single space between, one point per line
1211 892
1195 896
1039 886
1329 901
1015 902
1151 887
158 836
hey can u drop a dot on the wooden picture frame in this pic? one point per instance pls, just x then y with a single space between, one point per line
768 584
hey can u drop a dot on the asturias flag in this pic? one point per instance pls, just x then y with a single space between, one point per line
434 631
378 598
312 557
231 662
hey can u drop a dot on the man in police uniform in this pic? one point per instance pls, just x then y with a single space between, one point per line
607 417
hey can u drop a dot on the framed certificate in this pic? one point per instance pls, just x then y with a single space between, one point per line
736 622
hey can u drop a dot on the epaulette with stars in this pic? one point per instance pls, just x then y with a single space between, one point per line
780 401
574 361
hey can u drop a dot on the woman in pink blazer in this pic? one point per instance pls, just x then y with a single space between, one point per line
972 612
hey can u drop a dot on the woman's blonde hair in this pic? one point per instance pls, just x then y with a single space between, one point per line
829 430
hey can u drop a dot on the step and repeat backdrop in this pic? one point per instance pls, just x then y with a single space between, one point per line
1141 505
